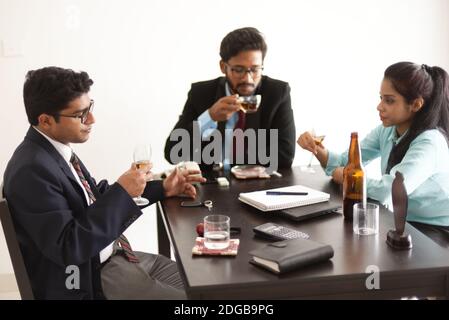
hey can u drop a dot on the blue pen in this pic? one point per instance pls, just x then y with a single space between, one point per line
286 193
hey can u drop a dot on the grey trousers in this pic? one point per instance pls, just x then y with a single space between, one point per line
155 277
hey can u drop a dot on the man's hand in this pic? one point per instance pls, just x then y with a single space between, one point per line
224 108
144 167
133 181
337 175
180 182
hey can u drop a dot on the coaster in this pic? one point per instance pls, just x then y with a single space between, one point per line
200 249
250 172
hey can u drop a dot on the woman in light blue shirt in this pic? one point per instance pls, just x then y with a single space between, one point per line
413 139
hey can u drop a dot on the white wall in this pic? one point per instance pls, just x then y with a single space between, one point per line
143 55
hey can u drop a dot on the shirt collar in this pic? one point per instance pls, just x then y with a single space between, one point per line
63 149
394 136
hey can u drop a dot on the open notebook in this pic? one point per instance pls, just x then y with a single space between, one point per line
264 202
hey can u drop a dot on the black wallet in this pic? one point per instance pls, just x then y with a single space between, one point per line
288 255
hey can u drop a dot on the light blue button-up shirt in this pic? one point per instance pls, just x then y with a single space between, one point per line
207 126
425 168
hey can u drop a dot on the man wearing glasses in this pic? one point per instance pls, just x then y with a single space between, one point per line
68 225
81 114
214 104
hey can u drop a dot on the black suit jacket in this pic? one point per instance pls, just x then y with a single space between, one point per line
275 112
55 226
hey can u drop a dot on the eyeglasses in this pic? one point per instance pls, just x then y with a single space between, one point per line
241 71
84 113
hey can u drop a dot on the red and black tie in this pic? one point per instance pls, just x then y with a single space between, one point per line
241 122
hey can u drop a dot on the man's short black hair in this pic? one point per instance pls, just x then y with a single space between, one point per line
49 90
240 40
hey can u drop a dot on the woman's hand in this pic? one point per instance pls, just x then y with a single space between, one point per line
307 142
337 175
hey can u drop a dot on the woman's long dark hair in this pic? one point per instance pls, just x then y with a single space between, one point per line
413 81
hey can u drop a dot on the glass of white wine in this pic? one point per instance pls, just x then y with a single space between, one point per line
142 159
318 140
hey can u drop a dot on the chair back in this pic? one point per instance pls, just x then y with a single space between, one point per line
23 281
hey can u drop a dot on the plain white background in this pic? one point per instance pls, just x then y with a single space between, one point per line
143 56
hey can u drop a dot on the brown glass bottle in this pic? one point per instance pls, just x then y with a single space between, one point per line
354 181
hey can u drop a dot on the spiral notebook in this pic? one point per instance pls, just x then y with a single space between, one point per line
264 202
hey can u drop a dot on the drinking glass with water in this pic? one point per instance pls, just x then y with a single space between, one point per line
216 231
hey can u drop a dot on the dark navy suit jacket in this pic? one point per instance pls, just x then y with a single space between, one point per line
56 227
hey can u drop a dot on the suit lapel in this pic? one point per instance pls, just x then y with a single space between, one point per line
221 91
89 180
37 138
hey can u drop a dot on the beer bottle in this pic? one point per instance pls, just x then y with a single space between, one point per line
354 181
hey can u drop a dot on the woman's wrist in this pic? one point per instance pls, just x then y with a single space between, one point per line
322 156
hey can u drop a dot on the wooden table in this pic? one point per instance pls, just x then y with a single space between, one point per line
421 271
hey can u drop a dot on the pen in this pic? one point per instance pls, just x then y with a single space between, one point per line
285 193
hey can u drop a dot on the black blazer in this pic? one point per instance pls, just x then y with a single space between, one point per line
55 226
275 112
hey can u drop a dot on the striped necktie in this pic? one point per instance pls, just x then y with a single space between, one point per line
122 241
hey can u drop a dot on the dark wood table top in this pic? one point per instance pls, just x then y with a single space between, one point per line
423 269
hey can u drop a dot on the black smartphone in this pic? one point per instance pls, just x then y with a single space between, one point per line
191 203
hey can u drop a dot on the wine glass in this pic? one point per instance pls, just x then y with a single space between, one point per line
318 140
142 157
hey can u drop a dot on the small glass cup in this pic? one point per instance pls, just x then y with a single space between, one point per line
249 104
216 231
366 219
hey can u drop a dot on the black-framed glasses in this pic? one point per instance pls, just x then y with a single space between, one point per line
240 71
82 116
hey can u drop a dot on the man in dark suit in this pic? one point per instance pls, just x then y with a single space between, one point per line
214 105
66 223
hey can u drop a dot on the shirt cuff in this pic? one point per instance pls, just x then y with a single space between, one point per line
333 162
206 124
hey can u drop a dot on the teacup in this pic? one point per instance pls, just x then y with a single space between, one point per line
249 104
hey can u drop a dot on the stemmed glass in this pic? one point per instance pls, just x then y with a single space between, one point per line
142 158
318 140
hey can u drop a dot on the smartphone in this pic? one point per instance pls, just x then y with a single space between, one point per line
191 203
